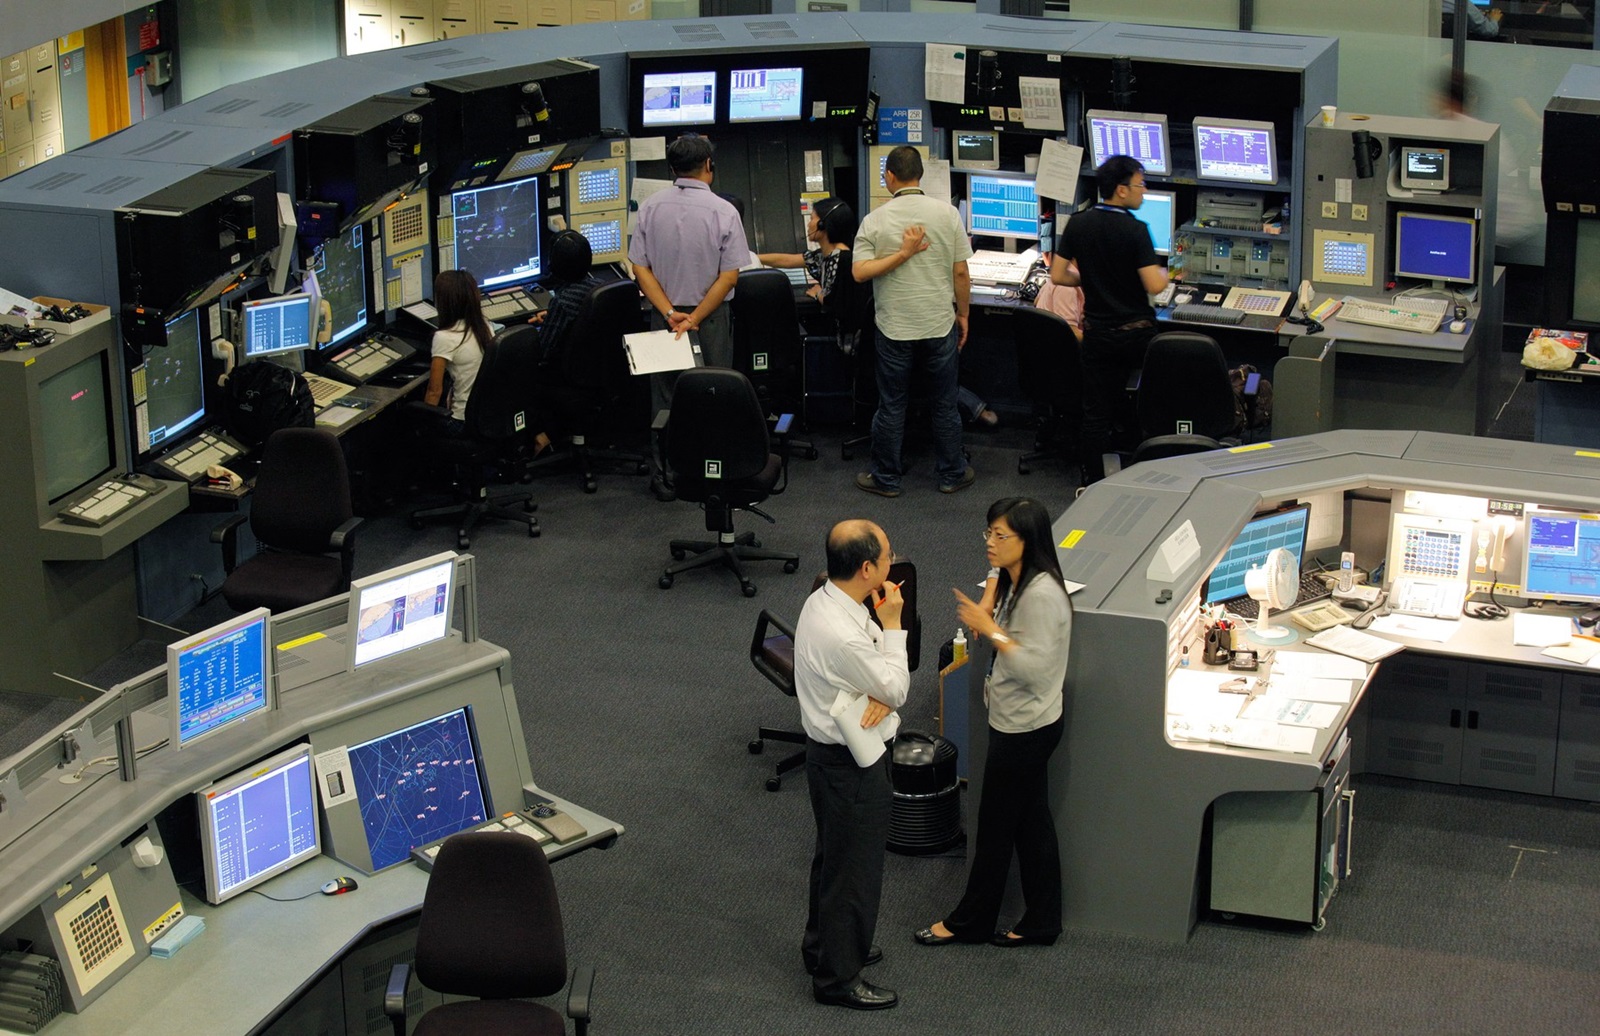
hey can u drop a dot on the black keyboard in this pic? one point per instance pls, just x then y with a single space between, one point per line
1202 314
1311 589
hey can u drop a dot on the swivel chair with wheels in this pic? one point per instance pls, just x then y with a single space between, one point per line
769 344
301 515
1050 370
491 929
717 443
1186 400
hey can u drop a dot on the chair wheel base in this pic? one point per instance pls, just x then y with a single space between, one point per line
790 567
665 582
679 555
756 746
774 783
749 589
590 486
463 542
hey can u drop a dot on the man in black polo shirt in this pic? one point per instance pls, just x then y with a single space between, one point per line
1118 270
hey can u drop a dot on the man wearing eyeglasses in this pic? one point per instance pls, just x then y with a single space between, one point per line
1117 267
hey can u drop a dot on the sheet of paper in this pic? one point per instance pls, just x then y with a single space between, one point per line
652 351
1311 688
1579 652
644 188
1059 166
410 283
1041 103
865 745
944 76
337 416
647 149
1540 630
936 178
1195 694
1292 712
1417 627
1319 664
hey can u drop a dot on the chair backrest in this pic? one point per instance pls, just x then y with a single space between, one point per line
498 407
766 328
1049 362
302 490
491 924
592 356
717 424
1185 378
849 302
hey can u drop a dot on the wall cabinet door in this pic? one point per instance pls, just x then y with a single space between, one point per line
505 15
411 21
367 26
453 19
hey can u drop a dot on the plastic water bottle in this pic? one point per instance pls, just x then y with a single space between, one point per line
958 646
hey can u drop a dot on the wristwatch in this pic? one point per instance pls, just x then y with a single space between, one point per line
999 637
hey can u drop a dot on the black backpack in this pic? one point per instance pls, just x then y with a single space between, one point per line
264 397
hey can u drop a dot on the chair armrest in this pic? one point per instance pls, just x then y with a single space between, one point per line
781 426
227 534
579 994
660 420
394 997
343 540
766 621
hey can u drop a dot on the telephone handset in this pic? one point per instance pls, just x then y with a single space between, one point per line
1307 296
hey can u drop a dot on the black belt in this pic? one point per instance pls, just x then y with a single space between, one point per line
1132 325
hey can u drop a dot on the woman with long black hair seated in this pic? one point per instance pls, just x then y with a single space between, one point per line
463 338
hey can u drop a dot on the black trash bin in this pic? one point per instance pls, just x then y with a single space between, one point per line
926 817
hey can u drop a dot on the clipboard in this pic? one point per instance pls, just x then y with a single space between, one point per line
655 352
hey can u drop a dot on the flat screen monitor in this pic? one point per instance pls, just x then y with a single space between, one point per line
1261 535
1142 136
495 232
174 384
1428 246
975 149
1425 168
75 427
258 823
417 785
402 609
1236 150
764 94
1159 213
1562 559
1002 205
219 677
342 276
278 325
679 98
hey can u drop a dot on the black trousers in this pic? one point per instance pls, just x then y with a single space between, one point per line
1108 357
1014 816
851 806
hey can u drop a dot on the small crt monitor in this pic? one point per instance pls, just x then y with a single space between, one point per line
258 823
219 677
74 427
1425 168
1159 213
1137 135
764 94
402 609
1429 246
1562 559
1002 205
495 232
1236 150
278 325
974 149
679 98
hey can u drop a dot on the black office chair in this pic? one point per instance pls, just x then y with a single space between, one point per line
769 344
491 929
301 515
584 380
498 443
1050 370
1186 397
772 653
717 442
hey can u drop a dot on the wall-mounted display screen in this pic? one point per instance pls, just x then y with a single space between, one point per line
679 98
764 94
1235 149
1137 135
495 232
1002 205
1428 246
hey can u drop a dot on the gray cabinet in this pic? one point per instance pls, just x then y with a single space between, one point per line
1416 703
1578 743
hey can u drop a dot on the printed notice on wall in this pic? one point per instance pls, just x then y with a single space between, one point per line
945 77
1041 103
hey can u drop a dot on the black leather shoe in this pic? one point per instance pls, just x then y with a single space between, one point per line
926 937
1009 938
874 956
864 997
663 490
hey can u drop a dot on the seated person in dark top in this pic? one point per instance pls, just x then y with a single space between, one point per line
570 284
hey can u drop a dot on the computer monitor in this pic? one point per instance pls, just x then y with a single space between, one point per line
258 823
974 149
1236 150
679 98
174 386
416 785
341 273
219 677
495 232
1429 246
764 94
1159 213
1425 168
1562 559
75 427
401 609
1342 257
278 325
1142 136
1285 527
1002 205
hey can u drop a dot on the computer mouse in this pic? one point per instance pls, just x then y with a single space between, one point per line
1184 298
339 886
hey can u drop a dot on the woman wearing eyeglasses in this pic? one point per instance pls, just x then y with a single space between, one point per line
1027 616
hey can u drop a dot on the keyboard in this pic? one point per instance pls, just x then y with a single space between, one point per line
325 390
1408 314
1202 314
369 359
515 302
1311 589
108 500
191 460
987 267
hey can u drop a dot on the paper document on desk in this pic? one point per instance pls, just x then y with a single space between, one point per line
1356 644
864 743
1540 630
1309 688
1417 627
338 415
1244 733
650 352
1198 695
1291 712
1579 652
1319 665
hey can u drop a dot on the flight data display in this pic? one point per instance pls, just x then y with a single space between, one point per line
417 785
174 382
220 676
342 277
259 823
679 98
1139 136
763 94
496 232
1235 150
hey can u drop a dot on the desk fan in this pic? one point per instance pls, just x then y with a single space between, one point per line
1276 584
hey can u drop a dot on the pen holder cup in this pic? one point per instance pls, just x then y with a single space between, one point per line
1218 648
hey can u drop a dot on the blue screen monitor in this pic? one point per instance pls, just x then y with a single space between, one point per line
1236 150
1159 213
219 677
1562 560
341 274
1138 135
417 785
764 94
278 325
174 386
1434 247
495 232
1002 205
679 98
1262 534
258 823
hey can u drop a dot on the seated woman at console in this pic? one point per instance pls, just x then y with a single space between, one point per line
570 285
464 336
832 227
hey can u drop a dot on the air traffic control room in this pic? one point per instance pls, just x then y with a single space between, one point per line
1327 706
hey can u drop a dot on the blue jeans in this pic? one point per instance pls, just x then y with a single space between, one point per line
937 361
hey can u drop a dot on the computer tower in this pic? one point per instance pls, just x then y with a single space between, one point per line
365 157
487 118
1570 176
